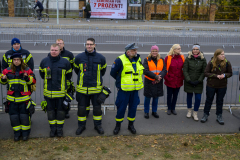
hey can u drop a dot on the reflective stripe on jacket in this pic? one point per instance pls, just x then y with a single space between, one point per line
130 79
155 69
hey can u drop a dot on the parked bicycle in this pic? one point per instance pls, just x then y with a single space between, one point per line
44 17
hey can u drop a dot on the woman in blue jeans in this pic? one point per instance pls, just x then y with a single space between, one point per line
193 71
154 72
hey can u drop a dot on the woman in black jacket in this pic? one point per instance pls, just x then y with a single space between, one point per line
155 70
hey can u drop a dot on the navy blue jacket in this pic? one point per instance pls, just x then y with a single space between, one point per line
90 63
39 5
67 55
26 55
117 68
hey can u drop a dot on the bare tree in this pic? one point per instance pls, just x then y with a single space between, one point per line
65 8
47 6
197 8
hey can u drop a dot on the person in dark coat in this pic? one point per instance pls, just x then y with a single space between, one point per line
193 71
88 10
174 78
218 70
155 70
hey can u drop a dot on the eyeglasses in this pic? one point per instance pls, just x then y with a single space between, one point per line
196 49
89 44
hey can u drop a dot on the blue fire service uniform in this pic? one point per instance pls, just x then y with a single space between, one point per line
128 75
55 90
19 99
90 67
26 56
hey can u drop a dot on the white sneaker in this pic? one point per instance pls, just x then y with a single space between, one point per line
189 113
195 117
88 20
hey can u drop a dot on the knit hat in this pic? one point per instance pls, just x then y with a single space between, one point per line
16 55
196 46
155 47
15 40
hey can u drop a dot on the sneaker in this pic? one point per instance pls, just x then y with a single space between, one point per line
220 119
169 112
204 118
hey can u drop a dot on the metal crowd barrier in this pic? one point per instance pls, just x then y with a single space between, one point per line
230 99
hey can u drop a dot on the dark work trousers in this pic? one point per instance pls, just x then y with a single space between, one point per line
172 94
197 100
83 102
39 11
124 99
210 93
20 118
55 112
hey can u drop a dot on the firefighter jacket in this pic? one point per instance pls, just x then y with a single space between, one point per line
67 55
55 71
90 67
128 73
26 56
17 87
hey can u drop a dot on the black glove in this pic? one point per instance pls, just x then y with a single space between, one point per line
26 78
191 82
31 109
196 83
65 105
101 98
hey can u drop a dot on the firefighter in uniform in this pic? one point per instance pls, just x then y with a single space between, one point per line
55 71
90 66
19 104
70 57
127 69
17 48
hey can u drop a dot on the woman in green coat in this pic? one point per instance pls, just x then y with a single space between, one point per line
193 71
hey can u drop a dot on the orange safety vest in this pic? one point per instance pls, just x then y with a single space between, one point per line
169 60
155 69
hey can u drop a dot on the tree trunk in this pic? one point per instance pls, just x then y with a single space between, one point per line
65 6
197 8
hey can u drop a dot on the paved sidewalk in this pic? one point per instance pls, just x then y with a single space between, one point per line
107 22
166 124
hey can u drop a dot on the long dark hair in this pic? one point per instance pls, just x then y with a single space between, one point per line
23 66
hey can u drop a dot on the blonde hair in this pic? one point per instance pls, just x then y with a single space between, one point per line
158 56
60 40
216 62
55 45
171 52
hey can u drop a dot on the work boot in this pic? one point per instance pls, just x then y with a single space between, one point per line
80 130
53 132
195 117
155 114
117 128
169 112
204 118
174 112
146 115
60 133
99 129
220 119
25 138
189 113
131 127
16 138
67 115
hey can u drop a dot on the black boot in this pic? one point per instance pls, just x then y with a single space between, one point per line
117 128
204 118
25 138
155 114
131 127
220 119
16 138
80 130
99 129
60 130
53 131
146 115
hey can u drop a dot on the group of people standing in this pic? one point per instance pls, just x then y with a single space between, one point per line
128 70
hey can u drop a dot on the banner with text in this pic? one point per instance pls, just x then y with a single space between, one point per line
113 9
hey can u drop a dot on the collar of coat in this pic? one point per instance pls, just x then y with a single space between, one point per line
190 55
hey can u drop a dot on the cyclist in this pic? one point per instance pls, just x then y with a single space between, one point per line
40 8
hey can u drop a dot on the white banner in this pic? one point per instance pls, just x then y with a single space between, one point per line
113 9
135 3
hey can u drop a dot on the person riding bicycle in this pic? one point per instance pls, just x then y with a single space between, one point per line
40 8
